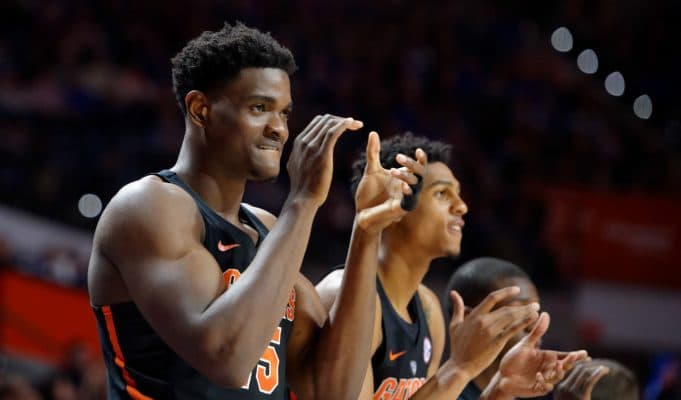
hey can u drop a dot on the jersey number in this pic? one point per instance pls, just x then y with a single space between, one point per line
267 370
267 375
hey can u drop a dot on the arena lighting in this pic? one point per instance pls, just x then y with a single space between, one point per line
614 83
587 61
561 39
643 106
90 205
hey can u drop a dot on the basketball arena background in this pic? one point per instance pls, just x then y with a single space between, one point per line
565 118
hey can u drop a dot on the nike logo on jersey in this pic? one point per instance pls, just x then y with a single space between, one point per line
226 247
394 356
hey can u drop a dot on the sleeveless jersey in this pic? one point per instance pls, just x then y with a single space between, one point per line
470 392
141 366
400 364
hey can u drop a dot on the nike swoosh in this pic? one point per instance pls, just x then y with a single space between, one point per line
395 356
225 247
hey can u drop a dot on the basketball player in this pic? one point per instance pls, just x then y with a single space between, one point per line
198 295
598 379
409 330
474 281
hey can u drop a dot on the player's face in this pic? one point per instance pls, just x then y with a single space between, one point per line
250 119
528 294
436 224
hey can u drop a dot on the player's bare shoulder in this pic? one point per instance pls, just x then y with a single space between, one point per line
329 287
430 303
147 216
308 301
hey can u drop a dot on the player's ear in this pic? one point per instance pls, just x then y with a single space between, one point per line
197 106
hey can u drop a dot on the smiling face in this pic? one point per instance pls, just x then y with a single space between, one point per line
436 224
247 123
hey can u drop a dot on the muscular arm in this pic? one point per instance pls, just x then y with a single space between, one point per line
328 290
445 383
333 364
152 233
475 342
338 360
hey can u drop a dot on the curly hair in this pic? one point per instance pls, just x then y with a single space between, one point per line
406 144
215 57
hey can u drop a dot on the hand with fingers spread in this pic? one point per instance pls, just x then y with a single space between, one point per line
581 381
528 371
479 338
409 201
381 191
310 165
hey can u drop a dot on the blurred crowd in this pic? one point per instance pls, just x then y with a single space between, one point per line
80 376
86 105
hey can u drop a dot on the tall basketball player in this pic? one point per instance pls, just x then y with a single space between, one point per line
198 295
409 329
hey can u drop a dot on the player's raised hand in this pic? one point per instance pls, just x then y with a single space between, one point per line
381 191
310 165
528 371
478 339
580 382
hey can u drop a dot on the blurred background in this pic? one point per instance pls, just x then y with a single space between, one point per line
565 119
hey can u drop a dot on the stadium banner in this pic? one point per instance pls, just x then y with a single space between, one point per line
42 320
626 238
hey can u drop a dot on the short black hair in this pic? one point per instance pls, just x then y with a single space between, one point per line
215 57
406 144
620 383
477 278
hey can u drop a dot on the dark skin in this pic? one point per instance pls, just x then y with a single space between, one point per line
529 371
148 244
581 381
407 247
528 294
431 230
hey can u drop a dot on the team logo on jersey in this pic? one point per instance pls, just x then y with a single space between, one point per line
394 389
394 356
412 365
231 275
427 350
226 247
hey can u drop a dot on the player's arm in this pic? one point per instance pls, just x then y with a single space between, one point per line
153 237
328 290
436 326
339 357
330 350
152 232
528 371
475 342
336 360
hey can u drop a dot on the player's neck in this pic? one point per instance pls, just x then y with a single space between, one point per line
401 274
222 193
